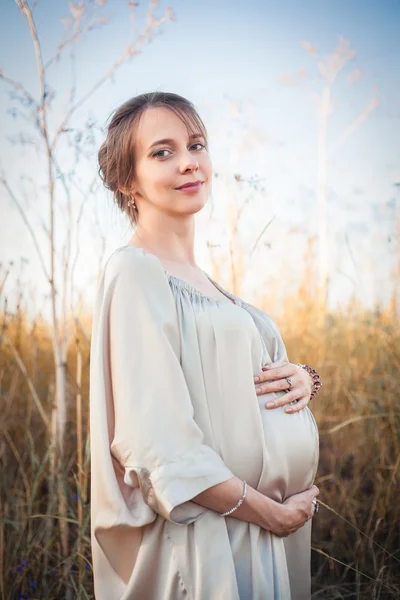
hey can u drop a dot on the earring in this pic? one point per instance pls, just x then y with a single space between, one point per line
131 202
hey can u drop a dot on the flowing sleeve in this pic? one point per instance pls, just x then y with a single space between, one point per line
153 435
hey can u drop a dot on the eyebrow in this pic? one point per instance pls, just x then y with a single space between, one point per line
193 136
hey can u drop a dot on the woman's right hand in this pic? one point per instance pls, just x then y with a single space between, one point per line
295 511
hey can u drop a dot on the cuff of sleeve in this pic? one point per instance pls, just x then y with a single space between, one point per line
170 486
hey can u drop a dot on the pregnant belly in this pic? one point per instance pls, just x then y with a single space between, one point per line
291 452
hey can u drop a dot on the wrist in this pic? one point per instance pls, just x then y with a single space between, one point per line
315 379
272 514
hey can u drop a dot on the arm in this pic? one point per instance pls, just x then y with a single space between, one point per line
256 508
280 519
156 439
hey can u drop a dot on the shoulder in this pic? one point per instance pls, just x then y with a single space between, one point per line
262 315
133 264
266 316
134 275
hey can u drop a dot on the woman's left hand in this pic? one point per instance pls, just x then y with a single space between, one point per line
273 379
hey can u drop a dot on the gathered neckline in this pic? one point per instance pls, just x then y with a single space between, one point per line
191 288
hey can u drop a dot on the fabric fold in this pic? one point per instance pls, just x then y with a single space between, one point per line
155 438
173 411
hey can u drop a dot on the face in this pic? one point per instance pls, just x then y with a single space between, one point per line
162 167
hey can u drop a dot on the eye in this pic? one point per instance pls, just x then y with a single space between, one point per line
199 144
158 153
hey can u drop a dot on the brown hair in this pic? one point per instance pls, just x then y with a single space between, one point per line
116 154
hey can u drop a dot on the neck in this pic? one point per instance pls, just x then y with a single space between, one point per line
174 245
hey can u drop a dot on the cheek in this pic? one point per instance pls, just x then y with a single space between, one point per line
206 166
158 177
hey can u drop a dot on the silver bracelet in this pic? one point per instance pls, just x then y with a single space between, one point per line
239 503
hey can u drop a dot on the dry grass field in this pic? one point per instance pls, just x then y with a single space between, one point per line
356 535
287 118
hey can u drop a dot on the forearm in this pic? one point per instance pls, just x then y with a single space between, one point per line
256 508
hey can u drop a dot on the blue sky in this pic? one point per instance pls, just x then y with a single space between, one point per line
217 53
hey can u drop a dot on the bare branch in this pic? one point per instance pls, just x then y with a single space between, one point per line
29 226
130 51
20 89
373 103
74 38
354 76
260 236
27 12
356 269
299 80
309 48
331 65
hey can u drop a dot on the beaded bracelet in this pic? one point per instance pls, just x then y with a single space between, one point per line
239 503
317 383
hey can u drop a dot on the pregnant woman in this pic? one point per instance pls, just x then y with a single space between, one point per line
199 490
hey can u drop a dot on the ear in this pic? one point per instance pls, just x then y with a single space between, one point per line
127 191
131 189
134 190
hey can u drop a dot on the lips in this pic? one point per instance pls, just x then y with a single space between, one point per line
190 184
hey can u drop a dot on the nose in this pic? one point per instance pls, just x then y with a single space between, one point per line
188 163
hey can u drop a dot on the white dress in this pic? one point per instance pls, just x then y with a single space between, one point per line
173 411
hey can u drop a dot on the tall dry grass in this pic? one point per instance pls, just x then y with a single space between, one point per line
356 534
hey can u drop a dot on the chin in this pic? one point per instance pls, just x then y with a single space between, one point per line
198 206
192 206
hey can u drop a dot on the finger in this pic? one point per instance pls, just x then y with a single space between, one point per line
286 399
300 404
311 509
277 385
282 364
277 372
270 372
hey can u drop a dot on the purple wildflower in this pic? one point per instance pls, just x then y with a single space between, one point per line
22 566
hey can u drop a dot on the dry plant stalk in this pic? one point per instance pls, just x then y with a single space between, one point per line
84 17
328 67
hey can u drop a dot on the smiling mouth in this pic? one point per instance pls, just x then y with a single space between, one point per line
187 186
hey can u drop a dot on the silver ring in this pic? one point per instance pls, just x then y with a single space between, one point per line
316 505
289 382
